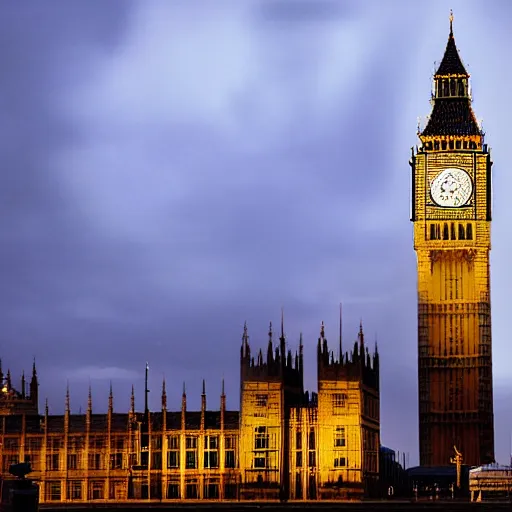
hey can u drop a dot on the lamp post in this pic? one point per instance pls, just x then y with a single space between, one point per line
457 460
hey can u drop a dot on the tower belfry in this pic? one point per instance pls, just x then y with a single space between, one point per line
451 212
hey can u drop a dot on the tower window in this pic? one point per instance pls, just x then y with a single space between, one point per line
457 144
451 144
469 232
432 232
462 91
443 145
446 235
452 231
339 401
462 234
339 437
436 145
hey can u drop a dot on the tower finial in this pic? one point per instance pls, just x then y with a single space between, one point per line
164 395
89 401
282 323
451 22
110 399
322 332
67 398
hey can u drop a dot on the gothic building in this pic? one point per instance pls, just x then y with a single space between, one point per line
451 212
282 444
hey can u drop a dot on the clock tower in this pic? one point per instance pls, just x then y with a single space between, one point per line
451 212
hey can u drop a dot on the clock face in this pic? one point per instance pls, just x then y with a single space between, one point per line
451 188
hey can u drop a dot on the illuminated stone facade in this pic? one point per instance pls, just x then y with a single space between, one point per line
451 211
283 444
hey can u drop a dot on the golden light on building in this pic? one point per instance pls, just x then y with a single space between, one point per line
451 212
282 444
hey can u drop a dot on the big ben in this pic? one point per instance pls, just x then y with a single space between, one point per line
451 212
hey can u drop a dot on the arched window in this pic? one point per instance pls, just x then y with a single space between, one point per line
452 231
469 232
432 232
446 234
462 234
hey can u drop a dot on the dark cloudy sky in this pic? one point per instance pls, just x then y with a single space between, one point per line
173 168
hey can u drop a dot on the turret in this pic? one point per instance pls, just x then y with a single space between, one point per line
203 406
23 385
132 403
146 393
68 401
270 349
88 415
67 410
164 406
359 365
222 406
164 397
183 408
34 385
277 365
110 400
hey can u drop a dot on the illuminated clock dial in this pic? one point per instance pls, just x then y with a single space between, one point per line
451 188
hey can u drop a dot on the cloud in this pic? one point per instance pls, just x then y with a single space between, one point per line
88 373
173 169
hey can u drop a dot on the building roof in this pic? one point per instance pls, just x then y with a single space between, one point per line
451 63
452 116
99 422
490 467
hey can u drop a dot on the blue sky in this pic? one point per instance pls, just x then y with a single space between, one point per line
173 169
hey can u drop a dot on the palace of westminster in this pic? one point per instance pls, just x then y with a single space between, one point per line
284 443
